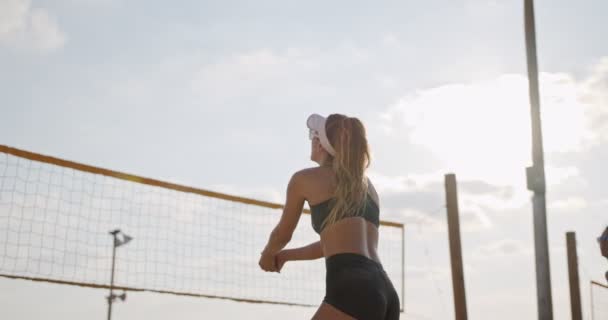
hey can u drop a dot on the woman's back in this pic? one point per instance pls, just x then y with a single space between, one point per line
352 234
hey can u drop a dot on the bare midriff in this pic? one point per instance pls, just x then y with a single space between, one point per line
351 235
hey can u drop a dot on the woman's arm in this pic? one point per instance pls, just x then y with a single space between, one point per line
283 231
310 252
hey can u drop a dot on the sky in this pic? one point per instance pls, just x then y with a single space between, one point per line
215 95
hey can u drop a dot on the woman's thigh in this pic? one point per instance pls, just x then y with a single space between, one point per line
328 312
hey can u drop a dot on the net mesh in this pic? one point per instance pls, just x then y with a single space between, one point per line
55 223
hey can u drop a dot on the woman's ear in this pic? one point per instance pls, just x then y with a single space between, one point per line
319 147
315 142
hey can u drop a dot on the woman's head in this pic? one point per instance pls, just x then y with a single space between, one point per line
335 132
348 138
341 142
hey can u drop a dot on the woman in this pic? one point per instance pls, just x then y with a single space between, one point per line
345 213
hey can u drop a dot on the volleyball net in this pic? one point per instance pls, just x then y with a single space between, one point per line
599 301
56 215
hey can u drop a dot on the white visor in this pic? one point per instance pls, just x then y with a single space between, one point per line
316 124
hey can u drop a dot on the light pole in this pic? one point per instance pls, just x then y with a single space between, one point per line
120 239
536 175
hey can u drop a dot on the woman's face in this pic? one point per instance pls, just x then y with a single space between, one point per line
316 150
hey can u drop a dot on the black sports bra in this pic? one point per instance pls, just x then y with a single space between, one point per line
320 211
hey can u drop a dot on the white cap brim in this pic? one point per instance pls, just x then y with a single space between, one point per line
316 122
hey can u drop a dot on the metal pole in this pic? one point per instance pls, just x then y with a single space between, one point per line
111 296
403 269
460 301
591 298
575 292
536 174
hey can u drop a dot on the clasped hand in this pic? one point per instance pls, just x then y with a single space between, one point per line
270 262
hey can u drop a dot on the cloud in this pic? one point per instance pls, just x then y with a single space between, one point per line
482 130
252 74
472 219
291 73
412 182
501 248
419 199
481 187
594 93
25 27
434 221
572 204
259 193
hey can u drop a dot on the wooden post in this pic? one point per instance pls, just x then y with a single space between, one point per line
451 194
575 292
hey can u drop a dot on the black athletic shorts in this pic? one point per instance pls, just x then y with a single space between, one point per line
359 287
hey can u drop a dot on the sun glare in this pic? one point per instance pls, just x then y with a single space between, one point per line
482 130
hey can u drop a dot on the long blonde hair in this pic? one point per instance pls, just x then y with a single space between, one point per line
348 138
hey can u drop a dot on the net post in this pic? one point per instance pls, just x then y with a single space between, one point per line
591 298
402 268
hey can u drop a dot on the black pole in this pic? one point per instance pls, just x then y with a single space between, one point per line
111 296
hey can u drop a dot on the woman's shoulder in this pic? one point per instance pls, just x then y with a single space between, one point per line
315 179
313 172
